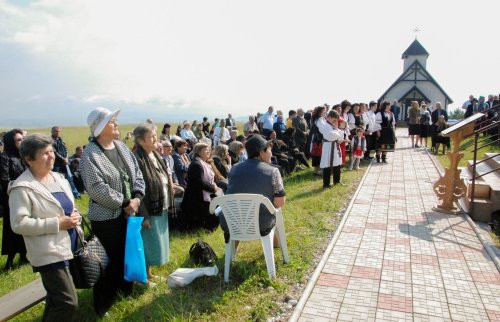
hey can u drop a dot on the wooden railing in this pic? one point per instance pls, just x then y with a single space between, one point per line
490 123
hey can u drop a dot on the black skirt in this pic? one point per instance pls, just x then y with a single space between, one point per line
414 129
387 140
424 131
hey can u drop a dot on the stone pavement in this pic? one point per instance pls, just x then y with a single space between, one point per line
395 259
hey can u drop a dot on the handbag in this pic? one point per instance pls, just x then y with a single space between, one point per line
89 260
202 254
135 260
317 149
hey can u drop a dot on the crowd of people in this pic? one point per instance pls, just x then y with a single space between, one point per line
173 177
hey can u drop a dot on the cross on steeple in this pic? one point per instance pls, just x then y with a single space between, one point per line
416 31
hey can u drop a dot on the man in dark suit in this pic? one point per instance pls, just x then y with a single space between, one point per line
230 123
438 111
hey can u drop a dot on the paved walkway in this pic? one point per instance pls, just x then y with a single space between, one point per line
396 259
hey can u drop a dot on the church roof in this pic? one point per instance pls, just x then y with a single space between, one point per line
416 73
415 49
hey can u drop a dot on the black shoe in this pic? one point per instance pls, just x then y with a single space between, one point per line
326 187
8 266
378 159
384 160
23 260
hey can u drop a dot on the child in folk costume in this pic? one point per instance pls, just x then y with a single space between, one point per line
358 148
345 139
331 156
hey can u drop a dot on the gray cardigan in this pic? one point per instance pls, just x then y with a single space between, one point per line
102 180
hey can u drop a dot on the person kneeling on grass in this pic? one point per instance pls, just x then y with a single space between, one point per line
256 175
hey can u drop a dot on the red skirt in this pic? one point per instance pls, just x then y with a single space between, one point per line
358 153
343 150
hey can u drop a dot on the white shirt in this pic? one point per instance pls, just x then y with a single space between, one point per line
372 125
221 135
330 135
267 121
185 135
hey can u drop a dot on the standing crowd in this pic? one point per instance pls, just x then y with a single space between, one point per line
172 179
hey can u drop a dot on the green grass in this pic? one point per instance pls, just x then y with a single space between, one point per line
311 214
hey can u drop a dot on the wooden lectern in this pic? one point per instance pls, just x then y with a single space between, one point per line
449 188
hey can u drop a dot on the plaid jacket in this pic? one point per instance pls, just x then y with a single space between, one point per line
102 180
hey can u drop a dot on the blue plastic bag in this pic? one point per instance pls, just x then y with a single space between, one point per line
135 262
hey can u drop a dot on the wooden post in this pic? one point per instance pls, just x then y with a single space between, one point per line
449 188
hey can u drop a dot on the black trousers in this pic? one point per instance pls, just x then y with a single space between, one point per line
61 301
370 144
111 234
327 172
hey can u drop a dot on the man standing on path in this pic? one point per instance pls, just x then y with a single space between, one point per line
396 109
301 130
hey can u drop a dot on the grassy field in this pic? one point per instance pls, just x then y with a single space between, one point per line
311 214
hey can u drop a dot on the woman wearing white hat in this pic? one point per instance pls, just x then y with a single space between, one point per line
116 187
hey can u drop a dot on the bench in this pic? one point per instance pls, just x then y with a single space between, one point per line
21 299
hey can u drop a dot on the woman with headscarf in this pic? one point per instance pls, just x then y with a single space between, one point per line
158 199
115 187
11 167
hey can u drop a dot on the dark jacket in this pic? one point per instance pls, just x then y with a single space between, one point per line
193 205
222 169
436 113
11 168
180 169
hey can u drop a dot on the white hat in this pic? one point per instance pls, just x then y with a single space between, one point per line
98 119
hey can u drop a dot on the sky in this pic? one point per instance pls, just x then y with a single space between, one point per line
176 60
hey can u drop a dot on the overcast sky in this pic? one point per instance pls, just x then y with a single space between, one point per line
180 59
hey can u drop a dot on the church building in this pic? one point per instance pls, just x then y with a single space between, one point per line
415 83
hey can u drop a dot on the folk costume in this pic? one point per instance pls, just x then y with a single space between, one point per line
331 156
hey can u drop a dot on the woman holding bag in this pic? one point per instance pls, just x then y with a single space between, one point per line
42 210
158 199
115 187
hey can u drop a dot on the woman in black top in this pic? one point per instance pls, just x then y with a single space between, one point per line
11 167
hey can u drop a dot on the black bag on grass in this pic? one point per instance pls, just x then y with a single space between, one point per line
202 254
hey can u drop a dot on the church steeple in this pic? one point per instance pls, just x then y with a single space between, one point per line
415 52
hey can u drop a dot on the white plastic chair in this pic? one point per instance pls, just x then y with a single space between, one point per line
241 212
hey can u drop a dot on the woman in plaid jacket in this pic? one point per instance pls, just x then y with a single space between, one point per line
116 187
